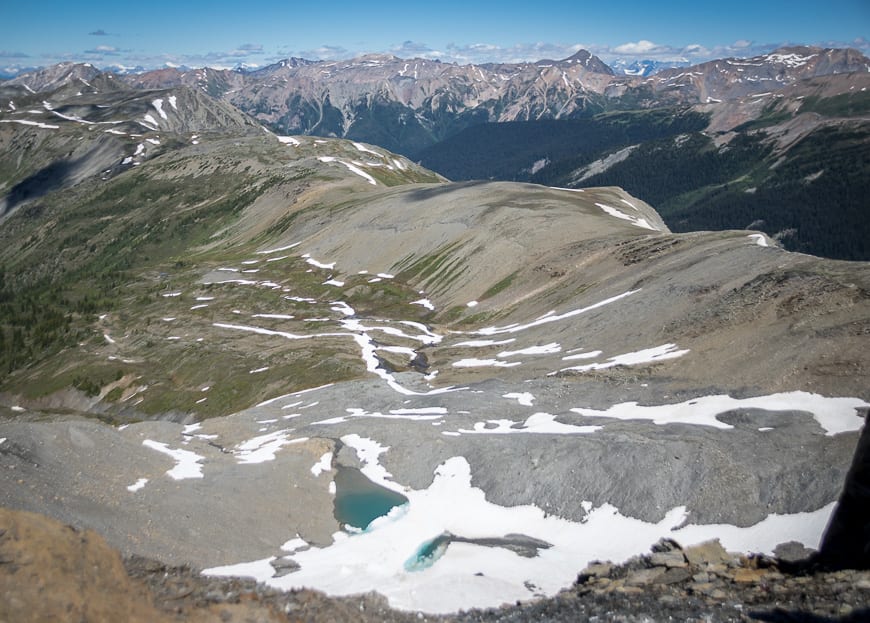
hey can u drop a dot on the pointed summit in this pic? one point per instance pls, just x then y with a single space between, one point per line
56 76
586 59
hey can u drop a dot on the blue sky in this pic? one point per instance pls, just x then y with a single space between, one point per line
226 34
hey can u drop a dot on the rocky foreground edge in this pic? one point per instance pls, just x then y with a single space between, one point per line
53 572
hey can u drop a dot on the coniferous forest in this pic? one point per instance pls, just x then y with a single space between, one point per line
812 198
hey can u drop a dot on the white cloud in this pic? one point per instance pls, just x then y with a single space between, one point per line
326 53
490 53
695 49
246 49
412 49
642 47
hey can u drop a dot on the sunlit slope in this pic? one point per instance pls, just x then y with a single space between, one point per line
117 242
148 268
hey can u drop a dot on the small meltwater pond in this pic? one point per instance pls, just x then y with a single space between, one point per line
359 501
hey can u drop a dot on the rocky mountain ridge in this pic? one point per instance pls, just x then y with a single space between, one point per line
408 104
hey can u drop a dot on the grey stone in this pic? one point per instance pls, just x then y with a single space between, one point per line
597 569
668 559
792 551
665 545
673 576
284 566
644 577
707 552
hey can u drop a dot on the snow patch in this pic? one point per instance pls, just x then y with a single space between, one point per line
279 249
323 465
835 415
425 303
524 398
546 349
186 462
481 363
548 318
760 239
314 262
365 149
38 124
538 423
137 485
158 106
634 220
263 448
375 560
351 167
482 343
647 355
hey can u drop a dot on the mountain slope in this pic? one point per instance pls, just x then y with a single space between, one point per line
253 329
790 163
60 137
733 78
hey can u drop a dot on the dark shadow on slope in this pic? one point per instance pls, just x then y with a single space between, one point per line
105 153
44 181
439 190
845 543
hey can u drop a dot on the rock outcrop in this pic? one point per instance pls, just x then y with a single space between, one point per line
846 543
53 572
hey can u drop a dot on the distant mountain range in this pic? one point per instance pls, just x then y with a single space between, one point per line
408 104
647 67
773 141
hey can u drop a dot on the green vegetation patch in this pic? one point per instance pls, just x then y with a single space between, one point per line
852 104
500 286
